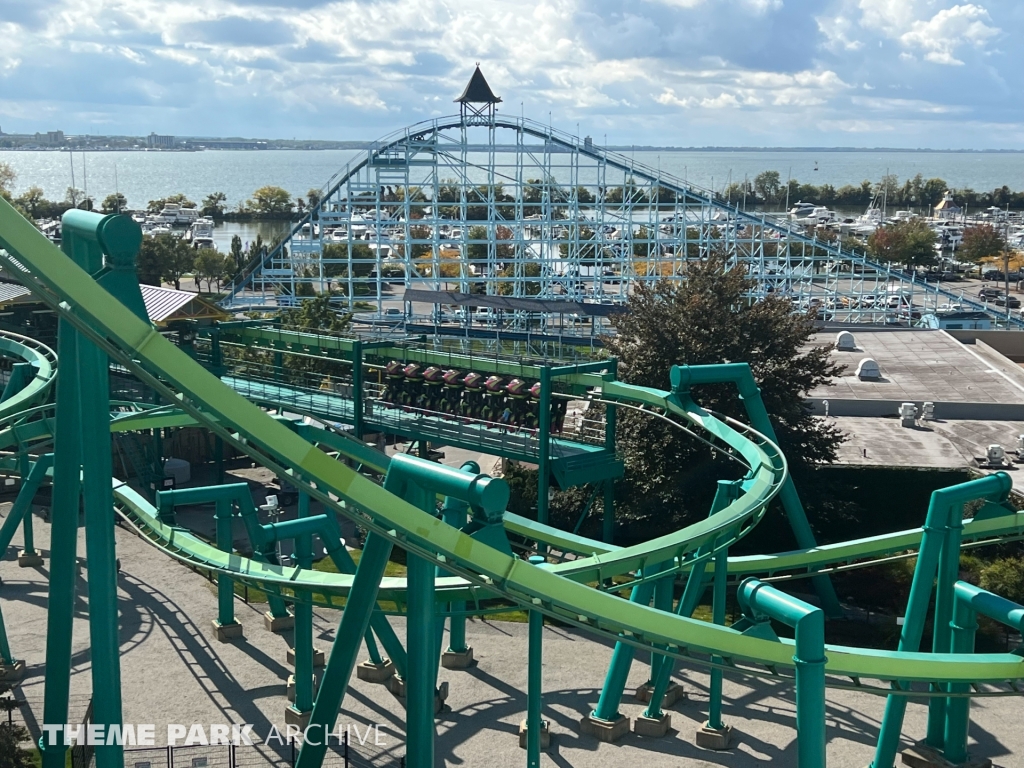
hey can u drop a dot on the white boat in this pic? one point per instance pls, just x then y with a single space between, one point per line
202 234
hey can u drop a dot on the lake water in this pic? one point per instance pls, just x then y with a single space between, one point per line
144 176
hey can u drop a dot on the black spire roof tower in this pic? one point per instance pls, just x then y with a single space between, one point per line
477 103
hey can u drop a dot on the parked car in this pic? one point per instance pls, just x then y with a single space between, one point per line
987 293
992 274
1007 301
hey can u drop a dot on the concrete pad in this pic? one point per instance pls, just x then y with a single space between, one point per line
673 693
318 657
608 731
293 717
375 673
290 688
655 727
26 560
278 623
545 734
226 632
923 756
713 738
457 659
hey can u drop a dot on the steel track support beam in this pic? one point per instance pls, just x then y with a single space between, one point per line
355 621
303 621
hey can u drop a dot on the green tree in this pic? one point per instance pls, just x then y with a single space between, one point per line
982 241
708 318
768 186
210 265
213 205
1005 577
236 255
11 753
7 178
34 202
114 203
526 269
271 200
313 198
164 258
911 243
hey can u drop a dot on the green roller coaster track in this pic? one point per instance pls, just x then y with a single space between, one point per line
96 328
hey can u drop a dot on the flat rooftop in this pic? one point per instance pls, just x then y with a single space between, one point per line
921 365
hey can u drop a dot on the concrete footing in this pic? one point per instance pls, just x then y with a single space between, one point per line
923 756
673 693
292 716
226 632
457 659
605 730
652 726
375 673
29 560
545 734
278 623
714 738
12 673
290 690
397 686
318 657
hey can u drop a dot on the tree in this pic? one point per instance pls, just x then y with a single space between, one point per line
210 265
164 258
114 203
213 205
981 242
708 318
11 753
7 178
526 269
768 185
911 243
313 198
271 200
34 202
1005 577
236 255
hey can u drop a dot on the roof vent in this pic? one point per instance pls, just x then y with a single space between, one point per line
868 370
845 342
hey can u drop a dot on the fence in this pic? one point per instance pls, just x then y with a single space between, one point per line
350 753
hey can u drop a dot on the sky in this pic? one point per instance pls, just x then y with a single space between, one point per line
863 73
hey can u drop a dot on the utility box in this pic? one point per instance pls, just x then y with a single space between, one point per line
845 342
908 414
928 412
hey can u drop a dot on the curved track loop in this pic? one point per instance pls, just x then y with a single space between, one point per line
136 345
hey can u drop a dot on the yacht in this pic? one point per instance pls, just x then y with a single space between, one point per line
202 234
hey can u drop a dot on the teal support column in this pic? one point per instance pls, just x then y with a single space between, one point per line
963 627
683 377
420 690
663 597
535 684
968 602
218 458
358 416
63 549
727 492
104 646
224 512
944 503
608 522
355 621
23 503
27 534
622 657
303 621
6 657
718 617
760 600
543 448
454 512
948 575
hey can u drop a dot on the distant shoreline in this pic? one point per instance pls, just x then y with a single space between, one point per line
356 146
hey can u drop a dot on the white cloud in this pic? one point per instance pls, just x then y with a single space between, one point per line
938 36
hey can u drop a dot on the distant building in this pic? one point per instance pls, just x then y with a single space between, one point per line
947 209
156 141
588 143
230 144
54 138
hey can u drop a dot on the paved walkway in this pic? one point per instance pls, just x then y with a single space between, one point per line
173 671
